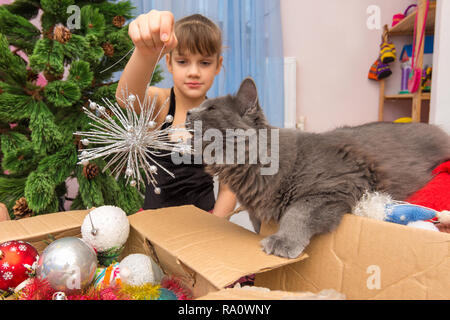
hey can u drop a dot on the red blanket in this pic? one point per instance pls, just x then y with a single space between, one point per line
436 194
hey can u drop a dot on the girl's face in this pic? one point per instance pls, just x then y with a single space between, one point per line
193 74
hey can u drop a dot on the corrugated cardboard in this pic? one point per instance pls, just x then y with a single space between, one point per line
246 294
211 253
369 259
207 252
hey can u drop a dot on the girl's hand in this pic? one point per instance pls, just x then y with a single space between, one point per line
149 32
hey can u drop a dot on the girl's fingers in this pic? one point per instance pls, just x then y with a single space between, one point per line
166 26
135 34
154 22
151 31
145 34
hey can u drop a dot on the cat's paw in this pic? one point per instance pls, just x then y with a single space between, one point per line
282 246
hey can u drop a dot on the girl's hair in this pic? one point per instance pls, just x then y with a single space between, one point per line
198 34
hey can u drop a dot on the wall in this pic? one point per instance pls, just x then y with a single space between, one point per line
334 50
440 97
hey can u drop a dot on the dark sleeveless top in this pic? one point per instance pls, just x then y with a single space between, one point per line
191 185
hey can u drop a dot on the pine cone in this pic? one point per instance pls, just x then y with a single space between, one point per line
90 171
108 48
21 209
118 21
61 34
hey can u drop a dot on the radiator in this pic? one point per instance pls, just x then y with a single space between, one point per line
290 92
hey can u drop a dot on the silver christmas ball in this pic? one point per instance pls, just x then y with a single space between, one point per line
157 190
59 296
84 153
169 119
68 264
133 183
152 124
85 142
153 169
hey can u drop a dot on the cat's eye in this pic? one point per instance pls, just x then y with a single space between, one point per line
210 108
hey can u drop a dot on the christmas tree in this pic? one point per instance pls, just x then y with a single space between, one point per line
78 43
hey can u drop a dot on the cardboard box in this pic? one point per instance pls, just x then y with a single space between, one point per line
206 252
369 259
362 259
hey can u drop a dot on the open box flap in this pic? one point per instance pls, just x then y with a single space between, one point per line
222 252
39 229
41 225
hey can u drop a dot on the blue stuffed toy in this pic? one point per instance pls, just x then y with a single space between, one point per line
406 213
381 206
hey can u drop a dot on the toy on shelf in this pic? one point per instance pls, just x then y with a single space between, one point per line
379 70
400 16
403 120
388 53
426 79
406 70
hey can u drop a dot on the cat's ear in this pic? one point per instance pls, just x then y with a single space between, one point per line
248 95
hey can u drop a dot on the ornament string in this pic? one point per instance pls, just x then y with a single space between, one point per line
130 139
127 54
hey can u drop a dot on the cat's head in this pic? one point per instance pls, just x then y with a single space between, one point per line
241 111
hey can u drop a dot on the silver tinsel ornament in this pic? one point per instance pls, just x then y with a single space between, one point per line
130 141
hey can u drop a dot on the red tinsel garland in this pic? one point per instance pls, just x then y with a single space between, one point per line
176 286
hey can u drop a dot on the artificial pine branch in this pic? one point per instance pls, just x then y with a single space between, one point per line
40 150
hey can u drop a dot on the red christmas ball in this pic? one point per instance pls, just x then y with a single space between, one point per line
18 260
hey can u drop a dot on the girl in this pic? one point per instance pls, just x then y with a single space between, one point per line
193 47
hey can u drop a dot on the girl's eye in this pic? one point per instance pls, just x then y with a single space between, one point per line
181 61
206 63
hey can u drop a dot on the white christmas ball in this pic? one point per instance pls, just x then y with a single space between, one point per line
111 225
138 269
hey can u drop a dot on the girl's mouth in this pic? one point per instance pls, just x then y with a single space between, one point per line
193 85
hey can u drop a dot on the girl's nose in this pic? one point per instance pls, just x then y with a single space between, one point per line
194 70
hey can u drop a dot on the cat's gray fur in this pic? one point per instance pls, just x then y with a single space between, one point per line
321 176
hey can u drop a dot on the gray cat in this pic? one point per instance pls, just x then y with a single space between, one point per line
320 176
